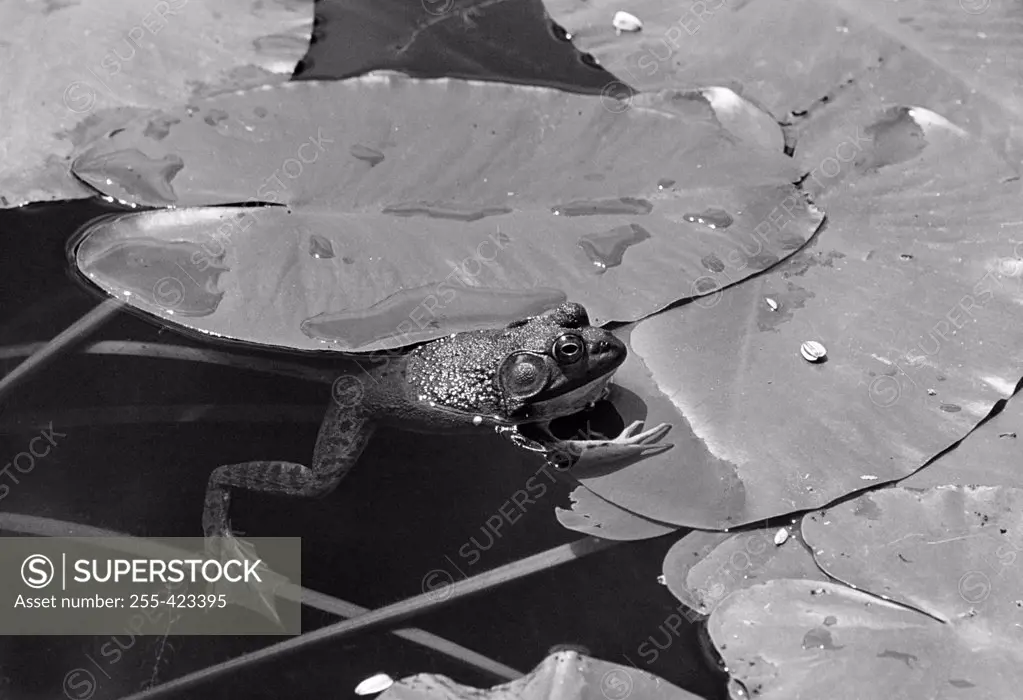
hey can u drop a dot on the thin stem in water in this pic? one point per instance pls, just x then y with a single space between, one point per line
64 340
136 547
383 618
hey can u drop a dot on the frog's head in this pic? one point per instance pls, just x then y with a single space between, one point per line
535 369
562 365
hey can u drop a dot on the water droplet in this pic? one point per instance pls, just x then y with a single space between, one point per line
830 620
596 207
370 155
713 263
443 211
820 638
320 247
704 285
215 116
664 183
135 173
897 137
950 407
736 690
177 277
559 32
159 127
607 249
711 218
472 308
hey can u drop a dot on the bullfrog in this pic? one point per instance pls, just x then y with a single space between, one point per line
531 371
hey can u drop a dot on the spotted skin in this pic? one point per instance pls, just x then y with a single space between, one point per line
530 371
344 434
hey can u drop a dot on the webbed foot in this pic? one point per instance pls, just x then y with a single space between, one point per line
631 443
257 595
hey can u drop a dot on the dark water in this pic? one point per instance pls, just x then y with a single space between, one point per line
140 437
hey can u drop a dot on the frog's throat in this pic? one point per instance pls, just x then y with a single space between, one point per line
568 403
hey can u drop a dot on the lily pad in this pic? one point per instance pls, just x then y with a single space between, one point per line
947 551
919 322
791 638
722 43
703 568
989 456
955 58
592 515
564 675
75 70
420 208
689 551
935 608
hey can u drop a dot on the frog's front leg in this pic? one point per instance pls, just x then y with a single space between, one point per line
631 443
343 436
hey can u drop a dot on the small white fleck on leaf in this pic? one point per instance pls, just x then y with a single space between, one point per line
812 351
781 536
772 303
624 22
374 684
869 477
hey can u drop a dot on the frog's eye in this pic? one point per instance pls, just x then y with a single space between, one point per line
524 374
569 348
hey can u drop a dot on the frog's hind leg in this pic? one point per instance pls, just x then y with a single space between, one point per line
288 478
343 436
